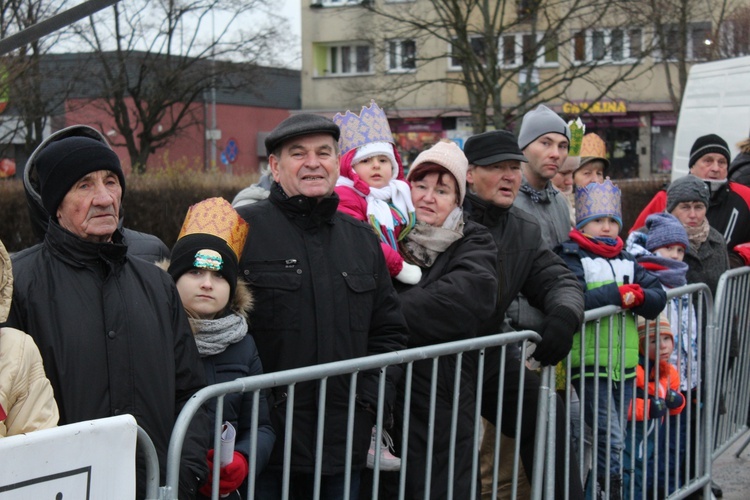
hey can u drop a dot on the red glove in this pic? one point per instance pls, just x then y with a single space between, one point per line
230 477
743 250
631 295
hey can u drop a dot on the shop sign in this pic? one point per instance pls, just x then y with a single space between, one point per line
595 107
417 125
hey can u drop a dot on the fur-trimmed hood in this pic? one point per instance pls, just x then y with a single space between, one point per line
242 302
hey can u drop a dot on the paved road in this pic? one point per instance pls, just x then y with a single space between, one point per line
733 474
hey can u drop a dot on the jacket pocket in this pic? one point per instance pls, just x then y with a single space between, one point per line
361 297
276 291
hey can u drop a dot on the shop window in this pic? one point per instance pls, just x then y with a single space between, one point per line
401 55
342 60
477 47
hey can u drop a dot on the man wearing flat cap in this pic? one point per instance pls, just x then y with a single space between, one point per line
111 329
322 293
729 205
524 265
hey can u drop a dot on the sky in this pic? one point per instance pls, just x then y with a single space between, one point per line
288 9
291 10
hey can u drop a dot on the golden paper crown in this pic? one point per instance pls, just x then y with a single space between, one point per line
593 145
215 216
370 125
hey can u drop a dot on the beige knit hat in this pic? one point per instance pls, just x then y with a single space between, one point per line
448 155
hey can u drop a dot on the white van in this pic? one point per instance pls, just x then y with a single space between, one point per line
716 101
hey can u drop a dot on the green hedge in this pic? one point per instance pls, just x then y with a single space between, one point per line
157 203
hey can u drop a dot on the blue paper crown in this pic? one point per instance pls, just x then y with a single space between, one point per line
598 200
371 125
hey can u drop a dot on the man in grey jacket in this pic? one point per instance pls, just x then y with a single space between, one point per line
544 139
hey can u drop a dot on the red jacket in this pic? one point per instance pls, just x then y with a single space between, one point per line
669 378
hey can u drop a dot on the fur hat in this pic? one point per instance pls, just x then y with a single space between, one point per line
299 125
664 230
687 188
64 162
538 122
598 200
212 237
448 155
705 144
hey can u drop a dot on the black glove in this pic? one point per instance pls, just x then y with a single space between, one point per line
557 332
657 407
674 399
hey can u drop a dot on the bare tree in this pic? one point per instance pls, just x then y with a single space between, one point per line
154 62
686 31
35 84
513 54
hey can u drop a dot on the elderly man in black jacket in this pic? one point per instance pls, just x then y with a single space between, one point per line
322 293
524 265
111 329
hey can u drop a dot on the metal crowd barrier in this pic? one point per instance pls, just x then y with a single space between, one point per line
322 374
732 359
713 383
601 426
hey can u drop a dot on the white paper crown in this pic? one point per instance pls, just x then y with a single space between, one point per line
371 125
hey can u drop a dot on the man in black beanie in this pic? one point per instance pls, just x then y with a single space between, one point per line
729 206
112 331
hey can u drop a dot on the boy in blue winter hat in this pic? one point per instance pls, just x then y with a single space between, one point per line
608 276
660 248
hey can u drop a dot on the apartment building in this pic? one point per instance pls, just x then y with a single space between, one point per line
614 67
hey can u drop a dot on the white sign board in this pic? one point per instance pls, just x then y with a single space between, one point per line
87 460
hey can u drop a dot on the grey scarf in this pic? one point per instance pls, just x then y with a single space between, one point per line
213 336
425 242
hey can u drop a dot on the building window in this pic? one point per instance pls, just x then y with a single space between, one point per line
527 48
607 45
342 60
526 8
333 3
401 55
697 42
477 47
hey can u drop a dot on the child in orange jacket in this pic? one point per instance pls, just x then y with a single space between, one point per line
656 396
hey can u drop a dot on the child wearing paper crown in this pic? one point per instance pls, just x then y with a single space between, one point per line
205 268
371 184
652 402
608 276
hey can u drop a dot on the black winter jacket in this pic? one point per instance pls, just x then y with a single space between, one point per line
524 264
237 361
729 213
739 170
322 294
454 297
114 339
